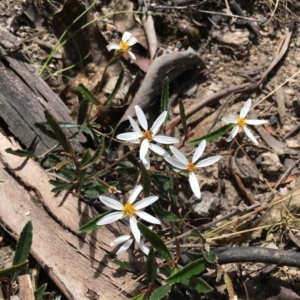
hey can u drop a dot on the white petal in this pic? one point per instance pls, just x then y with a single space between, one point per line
132 56
129 136
158 150
112 217
167 140
208 161
134 125
158 122
250 136
114 204
134 194
245 109
143 247
144 148
134 229
233 133
145 216
124 247
229 120
141 117
132 41
145 202
119 240
176 163
194 185
146 161
126 36
179 155
199 151
256 122
112 46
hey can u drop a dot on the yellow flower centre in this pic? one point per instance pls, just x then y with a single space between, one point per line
124 46
241 122
129 209
147 135
191 167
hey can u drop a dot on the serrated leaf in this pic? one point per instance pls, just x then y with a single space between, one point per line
38 294
124 265
156 242
183 118
20 153
164 100
23 246
213 135
111 97
151 267
160 292
198 284
146 180
91 225
210 256
84 91
162 213
139 297
13 269
60 135
82 111
193 268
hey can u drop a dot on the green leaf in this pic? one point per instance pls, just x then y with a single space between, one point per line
183 118
151 267
85 158
23 246
44 129
210 256
146 180
111 97
60 136
13 269
38 294
61 186
193 268
213 135
160 292
229 286
198 284
82 111
139 297
20 153
84 91
91 225
164 100
32 145
130 157
124 265
93 158
155 241
162 213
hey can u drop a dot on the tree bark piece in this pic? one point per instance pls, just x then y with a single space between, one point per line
78 264
23 98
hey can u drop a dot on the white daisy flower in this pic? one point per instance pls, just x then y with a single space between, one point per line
242 122
127 240
129 209
124 46
146 136
182 163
